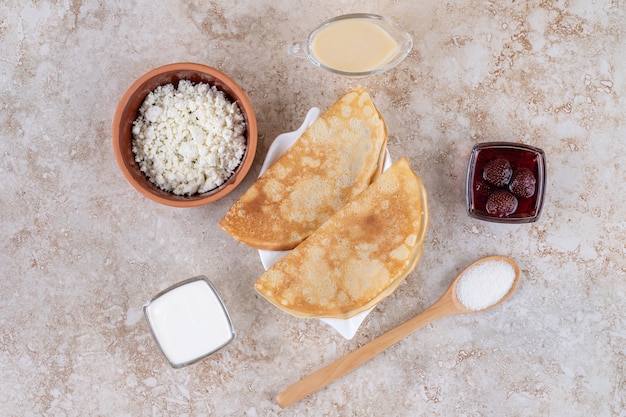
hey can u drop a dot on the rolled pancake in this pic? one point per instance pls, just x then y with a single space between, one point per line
359 256
335 159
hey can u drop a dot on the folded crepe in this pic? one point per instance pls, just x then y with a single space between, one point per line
359 256
335 159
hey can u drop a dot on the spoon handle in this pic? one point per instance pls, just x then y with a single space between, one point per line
342 366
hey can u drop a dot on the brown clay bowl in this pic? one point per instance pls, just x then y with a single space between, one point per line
126 113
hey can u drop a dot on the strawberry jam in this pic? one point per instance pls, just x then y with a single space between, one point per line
523 169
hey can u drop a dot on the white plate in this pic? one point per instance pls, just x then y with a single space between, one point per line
347 328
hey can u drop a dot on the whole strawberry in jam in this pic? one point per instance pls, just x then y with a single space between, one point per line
523 183
501 203
498 172
482 189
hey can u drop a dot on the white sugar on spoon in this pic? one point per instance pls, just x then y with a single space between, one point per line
485 284
482 285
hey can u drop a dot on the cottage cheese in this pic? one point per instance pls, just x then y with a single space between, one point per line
188 139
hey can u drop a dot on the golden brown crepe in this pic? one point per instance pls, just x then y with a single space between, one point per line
335 159
359 256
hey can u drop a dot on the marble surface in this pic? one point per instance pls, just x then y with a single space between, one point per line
82 251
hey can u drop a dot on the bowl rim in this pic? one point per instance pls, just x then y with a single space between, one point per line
221 81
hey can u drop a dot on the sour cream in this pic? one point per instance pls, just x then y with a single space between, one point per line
189 321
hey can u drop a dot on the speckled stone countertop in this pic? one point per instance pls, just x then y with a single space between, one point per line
82 251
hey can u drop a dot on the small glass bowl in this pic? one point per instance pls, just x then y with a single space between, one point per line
189 321
478 190
390 28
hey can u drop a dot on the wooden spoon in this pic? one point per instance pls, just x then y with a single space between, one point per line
447 305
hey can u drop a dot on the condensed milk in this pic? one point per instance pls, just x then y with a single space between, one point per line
356 44
353 45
